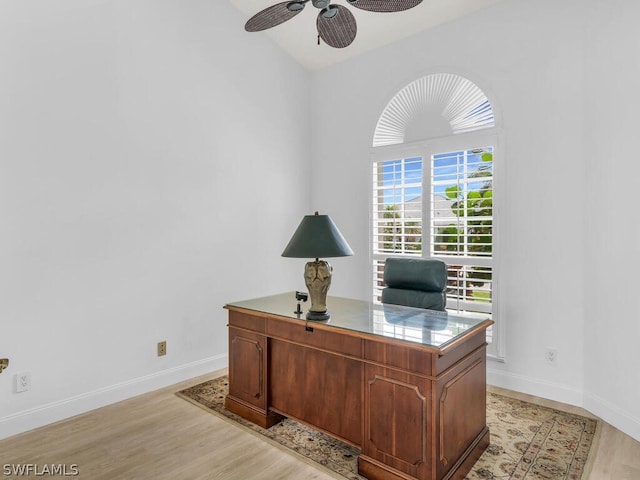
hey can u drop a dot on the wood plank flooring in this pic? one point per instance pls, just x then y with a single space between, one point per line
160 436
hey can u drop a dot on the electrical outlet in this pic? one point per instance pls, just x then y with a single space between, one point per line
162 348
551 356
23 382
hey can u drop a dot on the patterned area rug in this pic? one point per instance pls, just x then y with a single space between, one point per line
528 442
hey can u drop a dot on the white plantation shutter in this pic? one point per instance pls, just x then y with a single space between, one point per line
398 207
397 212
461 230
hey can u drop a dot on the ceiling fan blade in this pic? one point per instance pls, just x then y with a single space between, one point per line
384 5
336 26
274 15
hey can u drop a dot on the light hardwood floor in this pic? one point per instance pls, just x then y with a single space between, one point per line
160 436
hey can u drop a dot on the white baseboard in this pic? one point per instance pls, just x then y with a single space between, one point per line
601 408
534 386
613 415
69 407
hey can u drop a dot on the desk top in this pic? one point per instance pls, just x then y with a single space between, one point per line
427 327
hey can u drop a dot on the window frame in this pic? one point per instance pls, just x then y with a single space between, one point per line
426 149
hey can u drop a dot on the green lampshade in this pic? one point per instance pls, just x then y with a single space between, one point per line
317 237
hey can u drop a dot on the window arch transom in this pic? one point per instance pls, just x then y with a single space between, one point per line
433 106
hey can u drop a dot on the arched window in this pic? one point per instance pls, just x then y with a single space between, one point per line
434 151
433 106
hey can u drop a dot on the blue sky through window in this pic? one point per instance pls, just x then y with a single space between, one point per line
402 178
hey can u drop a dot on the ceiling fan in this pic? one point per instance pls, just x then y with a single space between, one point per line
336 24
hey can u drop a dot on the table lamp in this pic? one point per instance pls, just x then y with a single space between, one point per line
317 236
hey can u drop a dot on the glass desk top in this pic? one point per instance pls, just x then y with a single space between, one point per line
427 327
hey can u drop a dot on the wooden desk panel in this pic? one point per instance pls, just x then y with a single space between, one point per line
317 388
248 376
397 414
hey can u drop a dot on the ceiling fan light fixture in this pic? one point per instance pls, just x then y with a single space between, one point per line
321 3
295 6
329 12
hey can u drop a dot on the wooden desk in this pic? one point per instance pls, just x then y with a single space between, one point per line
406 386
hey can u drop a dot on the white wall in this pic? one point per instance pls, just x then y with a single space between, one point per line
612 327
541 67
147 177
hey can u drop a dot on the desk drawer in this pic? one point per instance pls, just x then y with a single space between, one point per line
406 358
246 321
315 337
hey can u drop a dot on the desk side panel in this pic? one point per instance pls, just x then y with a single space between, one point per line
461 412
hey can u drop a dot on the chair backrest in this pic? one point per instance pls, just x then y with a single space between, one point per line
415 282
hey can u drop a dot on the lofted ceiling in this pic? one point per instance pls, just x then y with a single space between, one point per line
298 36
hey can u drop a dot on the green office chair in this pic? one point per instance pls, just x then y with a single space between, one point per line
415 282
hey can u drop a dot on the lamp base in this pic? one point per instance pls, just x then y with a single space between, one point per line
317 278
311 315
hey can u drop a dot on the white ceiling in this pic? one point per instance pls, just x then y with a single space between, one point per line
298 36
